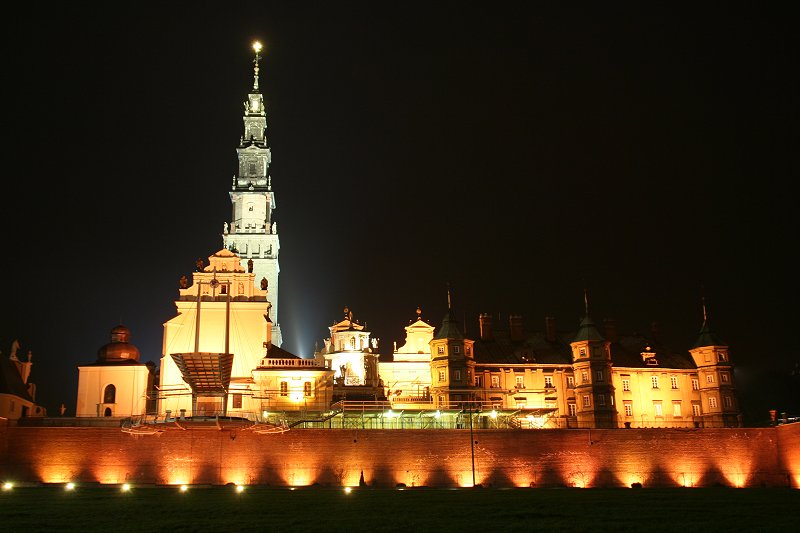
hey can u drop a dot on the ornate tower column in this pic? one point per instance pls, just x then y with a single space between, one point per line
252 233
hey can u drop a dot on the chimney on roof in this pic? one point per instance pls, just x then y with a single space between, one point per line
515 328
485 322
610 324
550 329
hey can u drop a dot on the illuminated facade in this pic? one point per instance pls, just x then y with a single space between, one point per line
116 384
252 233
407 377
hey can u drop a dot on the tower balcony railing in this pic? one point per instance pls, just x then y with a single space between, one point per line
292 363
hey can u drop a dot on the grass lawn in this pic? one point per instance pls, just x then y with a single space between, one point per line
261 508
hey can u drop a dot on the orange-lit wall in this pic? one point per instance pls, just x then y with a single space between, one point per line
653 457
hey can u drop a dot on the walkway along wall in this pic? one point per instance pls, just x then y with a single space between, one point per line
654 457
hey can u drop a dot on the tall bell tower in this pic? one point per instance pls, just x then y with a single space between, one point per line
252 233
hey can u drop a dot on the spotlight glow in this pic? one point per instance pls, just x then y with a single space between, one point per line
126 487
239 488
257 46
184 488
348 490
69 486
8 485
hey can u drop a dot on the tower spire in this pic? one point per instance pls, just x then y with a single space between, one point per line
586 300
449 300
257 48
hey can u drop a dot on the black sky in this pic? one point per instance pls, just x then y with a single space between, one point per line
645 151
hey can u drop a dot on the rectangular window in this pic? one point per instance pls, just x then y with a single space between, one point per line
570 381
696 409
307 389
676 409
654 381
598 375
628 409
728 401
479 381
440 350
495 382
710 378
657 409
467 350
521 404
582 351
456 375
441 376
284 388
548 382
722 356
519 382
586 401
456 349
712 402
584 377
626 384
237 401
573 410
601 399
674 381
724 377
695 384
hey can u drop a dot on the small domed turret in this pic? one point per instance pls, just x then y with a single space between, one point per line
119 349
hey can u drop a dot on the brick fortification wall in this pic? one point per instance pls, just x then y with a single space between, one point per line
653 457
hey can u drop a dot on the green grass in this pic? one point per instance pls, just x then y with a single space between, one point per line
260 508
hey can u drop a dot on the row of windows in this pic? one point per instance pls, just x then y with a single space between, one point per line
285 388
456 349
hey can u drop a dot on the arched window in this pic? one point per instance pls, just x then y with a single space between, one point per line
110 395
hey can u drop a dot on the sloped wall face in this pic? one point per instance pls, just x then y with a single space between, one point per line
583 458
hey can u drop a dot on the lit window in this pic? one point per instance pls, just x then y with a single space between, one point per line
570 381
586 401
584 377
657 409
601 399
548 381
284 388
440 350
728 401
598 375
676 409
654 381
674 381
495 382
456 349
352 343
696 409
695 384
307 389
712 402
441 376
573 410
237 401
628 409
710 378
582 351
520 384
626 384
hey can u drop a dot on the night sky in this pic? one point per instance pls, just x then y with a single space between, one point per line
643 151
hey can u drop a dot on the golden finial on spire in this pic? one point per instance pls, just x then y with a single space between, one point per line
257 48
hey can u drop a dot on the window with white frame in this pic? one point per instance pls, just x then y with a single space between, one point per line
712 402
598 376
441 376
570 381
676 408
728 401
696 409
456 349
548 382
440 350
584 377
673 380
587 402
695 384
628 408
573 410
710 378
495 382
657 409
626 384
519 382
654 381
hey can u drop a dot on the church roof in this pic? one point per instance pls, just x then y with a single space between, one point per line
707 337
449 329
587 331
11 381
